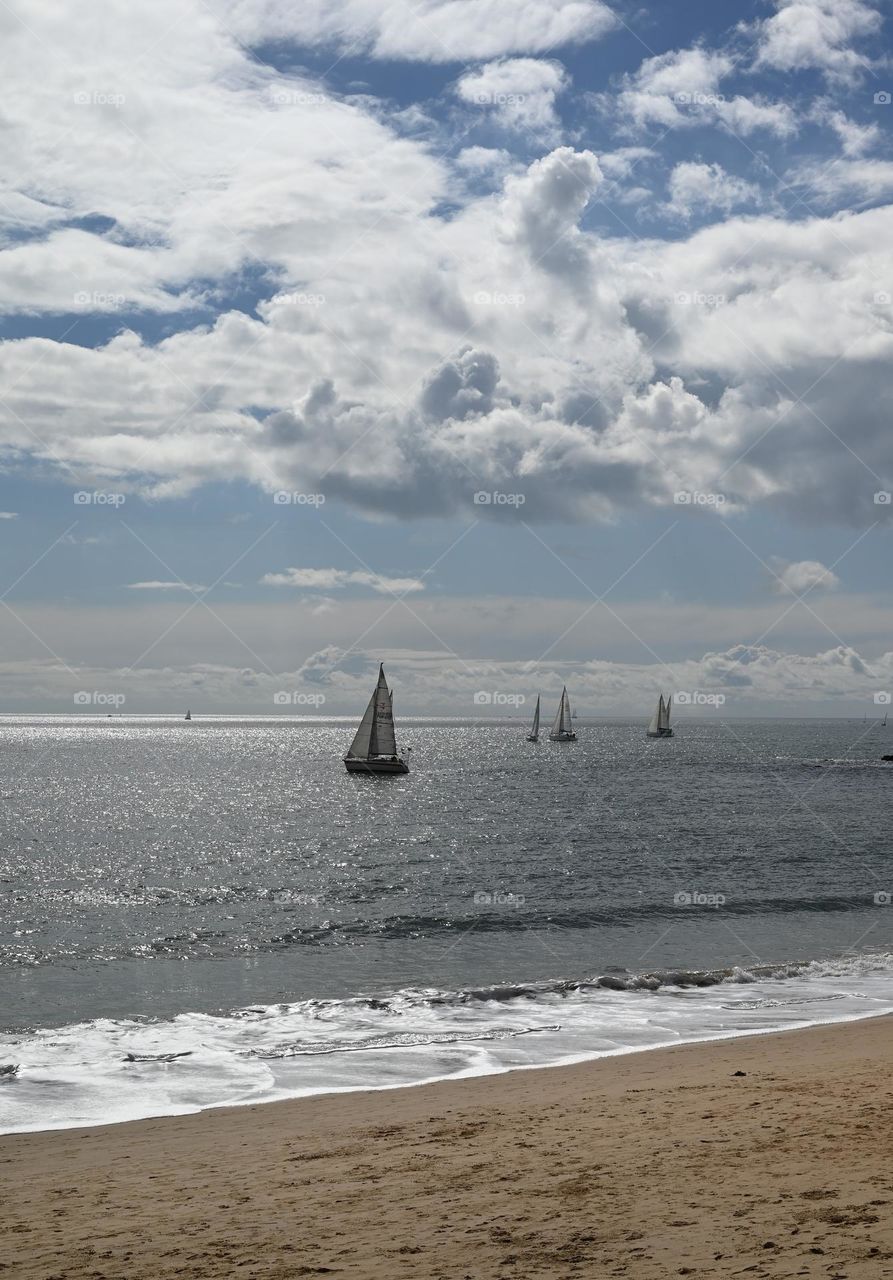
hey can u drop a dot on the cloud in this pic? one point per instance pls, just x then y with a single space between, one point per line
337 579
806 34
165 586
520 91
681 89
696 188
9 515
422 30
801 576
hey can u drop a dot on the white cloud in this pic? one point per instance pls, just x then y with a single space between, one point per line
681 89
520 91
165 586
800 576
9 515
702 188
817 34
335 579
424 30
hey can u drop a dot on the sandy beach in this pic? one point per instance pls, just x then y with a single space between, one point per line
649 1165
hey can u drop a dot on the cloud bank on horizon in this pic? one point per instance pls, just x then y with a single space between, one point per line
595 288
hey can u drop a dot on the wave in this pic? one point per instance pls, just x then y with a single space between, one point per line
120 1069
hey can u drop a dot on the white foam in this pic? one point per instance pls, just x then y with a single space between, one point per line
80 1074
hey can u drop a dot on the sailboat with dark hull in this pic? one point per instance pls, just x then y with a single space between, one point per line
660 721
374 748
562 726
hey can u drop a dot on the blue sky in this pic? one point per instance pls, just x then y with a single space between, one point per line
623 270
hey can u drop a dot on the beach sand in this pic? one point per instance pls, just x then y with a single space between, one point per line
648 1165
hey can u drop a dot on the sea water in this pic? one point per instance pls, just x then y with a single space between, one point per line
216 912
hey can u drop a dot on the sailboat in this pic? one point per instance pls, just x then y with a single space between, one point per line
884 721
660 721
534 734
374 748
562 729
188 715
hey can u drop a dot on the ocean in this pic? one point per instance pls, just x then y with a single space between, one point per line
216 912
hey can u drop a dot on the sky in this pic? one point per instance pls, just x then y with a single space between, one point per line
514 343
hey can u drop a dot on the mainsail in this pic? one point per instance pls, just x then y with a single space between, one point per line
562 721
657 719
534 732
665 717
375 736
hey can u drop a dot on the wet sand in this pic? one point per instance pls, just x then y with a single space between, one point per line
649 1165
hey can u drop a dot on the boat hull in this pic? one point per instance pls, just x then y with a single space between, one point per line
660 733
533 737
562 737
384 765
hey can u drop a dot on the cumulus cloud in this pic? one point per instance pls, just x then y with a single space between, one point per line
798 577
402 358
521 92
817 34
682 89
703 188
336 579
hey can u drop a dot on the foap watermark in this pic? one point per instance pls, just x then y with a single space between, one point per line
294 698
696 299
883 498
98 498
96 698
695 498
883 98
99 98
297 98
293 898
298 299
99 301
882 698
284 498
486 298
697 698
497 898
699 99
882 298
697 899
882 898
495 498
485 99
485 699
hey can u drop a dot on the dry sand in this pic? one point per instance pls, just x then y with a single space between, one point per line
652 1165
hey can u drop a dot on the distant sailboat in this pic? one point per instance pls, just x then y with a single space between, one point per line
562 729
374 748
534 734
188 715
660 721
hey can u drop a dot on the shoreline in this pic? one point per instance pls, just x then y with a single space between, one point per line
669 1161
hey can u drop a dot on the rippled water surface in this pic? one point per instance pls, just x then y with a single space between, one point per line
151 868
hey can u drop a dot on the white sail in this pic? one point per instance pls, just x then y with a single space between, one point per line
657 718
562 722
534 732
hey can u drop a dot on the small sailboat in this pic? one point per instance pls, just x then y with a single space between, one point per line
374 748
884 721
562 727
534 734
188 715
660 721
